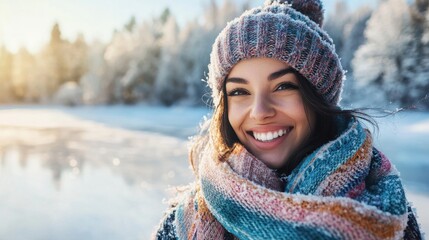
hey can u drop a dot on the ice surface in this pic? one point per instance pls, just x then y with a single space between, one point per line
102 172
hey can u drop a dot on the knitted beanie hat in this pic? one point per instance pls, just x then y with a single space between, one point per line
289 32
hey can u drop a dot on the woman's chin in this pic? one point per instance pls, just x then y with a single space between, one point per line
272 163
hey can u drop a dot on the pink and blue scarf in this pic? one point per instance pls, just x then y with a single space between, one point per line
346 189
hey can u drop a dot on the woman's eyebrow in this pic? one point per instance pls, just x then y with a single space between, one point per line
281 73
271 77
236 80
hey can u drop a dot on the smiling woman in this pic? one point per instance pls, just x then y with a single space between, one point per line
280 159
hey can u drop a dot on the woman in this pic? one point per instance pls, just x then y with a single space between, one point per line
281 159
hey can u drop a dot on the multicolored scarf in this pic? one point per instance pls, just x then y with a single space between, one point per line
346 189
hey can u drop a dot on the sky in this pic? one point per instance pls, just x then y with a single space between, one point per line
27 23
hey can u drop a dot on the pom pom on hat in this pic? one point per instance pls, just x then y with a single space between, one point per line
313 9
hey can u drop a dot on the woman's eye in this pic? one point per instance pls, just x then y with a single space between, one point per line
287 86
237 92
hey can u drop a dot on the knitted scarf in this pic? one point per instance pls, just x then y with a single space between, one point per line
346 189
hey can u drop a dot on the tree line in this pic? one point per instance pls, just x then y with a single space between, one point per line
385 51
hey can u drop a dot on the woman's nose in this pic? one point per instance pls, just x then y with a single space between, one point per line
262 108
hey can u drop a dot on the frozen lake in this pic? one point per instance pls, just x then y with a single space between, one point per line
103 172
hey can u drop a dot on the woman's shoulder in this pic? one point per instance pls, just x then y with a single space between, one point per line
166 229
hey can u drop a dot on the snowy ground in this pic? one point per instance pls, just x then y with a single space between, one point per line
102 172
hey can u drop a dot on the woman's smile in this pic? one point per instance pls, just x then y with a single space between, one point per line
268 139
266 111
269 135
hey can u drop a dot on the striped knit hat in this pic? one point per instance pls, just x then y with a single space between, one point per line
290 33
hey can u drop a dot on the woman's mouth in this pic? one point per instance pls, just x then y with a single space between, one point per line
269 136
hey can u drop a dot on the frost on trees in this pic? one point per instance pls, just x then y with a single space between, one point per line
37 77
169 84
59 62
69 94
354 35
94 87
353 39
154 61
346 30
386 66
417 59
185 55
132 60
336 23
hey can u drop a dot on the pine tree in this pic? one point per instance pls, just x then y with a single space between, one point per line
77 60
56 49
53 65
22 75
5 75
131 24
169 84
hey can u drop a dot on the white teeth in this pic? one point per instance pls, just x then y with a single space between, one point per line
276 135
269 136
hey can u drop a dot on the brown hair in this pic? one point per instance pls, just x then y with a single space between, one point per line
221 130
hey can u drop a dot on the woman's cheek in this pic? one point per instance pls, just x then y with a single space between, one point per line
236 114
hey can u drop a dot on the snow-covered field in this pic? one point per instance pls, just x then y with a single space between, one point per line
103 172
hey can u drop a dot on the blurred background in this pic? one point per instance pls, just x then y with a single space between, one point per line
98 100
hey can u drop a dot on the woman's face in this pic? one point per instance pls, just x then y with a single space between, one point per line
266 111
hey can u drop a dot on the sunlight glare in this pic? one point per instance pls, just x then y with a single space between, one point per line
24 24
72 162
116 161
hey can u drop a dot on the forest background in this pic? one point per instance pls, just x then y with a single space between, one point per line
162 61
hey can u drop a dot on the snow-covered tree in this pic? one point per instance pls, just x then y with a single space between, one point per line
56 57
169 83
132 61
154 61
77 58
95 88
336 22
70 94
159 62
380 65
346 29
186 53
131 24
416 61
353 36
196 44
